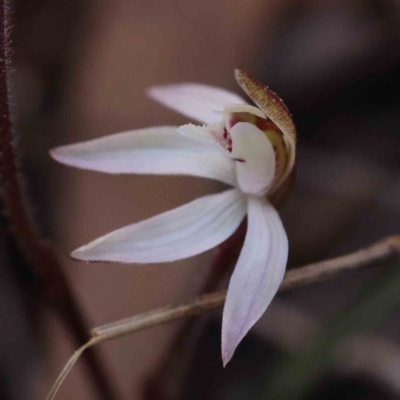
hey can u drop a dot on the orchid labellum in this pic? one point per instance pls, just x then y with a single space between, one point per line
249 148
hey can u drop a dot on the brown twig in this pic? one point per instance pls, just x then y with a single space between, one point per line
381 252
34 250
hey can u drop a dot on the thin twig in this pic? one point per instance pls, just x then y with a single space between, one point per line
34 250
379 253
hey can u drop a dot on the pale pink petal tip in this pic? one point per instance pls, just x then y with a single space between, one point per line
152 92
55 154
226 357
66 155
76 255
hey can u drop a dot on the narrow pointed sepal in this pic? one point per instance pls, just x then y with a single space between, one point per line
194 100
257 275
174 235
158 151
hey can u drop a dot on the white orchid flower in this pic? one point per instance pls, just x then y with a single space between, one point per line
252 149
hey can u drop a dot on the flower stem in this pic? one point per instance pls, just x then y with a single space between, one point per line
35 250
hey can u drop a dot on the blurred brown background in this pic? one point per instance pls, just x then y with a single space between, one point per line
80 72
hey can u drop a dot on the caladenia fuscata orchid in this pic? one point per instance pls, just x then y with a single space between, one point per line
249 148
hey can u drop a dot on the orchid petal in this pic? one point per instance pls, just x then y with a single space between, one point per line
180 233
159 150
255 167
195 100
257 275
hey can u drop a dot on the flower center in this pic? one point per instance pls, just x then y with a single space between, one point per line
235 114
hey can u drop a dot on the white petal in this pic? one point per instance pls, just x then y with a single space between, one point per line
159 150
257 275
195 100
256 158
180 233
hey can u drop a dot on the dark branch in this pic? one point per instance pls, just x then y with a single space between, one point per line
34 250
